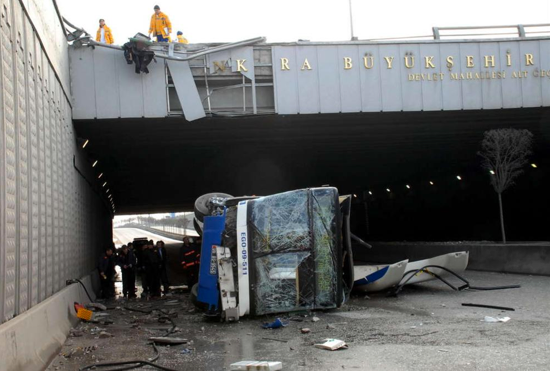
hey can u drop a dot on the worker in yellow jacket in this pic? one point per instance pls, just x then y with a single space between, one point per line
181 39
104 34
161 27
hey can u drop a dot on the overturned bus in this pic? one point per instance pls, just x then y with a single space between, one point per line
280 253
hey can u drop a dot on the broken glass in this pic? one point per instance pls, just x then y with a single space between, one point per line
295 249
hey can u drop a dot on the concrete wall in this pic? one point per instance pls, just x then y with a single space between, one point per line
52 221
30 341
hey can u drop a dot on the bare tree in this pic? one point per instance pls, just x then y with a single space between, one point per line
505 152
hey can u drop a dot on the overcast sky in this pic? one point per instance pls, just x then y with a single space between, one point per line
290 20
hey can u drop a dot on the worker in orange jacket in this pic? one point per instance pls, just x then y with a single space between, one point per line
161 27
181 39
104 34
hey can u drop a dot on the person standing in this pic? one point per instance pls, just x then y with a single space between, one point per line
160 26
104 34
127 263
152 268
190 260
106 269
163 272
141 268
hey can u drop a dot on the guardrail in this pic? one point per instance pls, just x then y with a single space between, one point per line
519 30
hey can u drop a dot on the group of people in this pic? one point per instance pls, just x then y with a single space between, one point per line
159 28
148 261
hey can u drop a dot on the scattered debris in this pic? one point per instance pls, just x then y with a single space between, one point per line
104 335
96 330
275 324
331 327
186 351
167 340
256 365
76 333
138 310
332 344
84 314
305 330
443 350
497 319
296 319
367 297
97 306
487 306
315 319
280 340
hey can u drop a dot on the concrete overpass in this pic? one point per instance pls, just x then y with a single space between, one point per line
258 118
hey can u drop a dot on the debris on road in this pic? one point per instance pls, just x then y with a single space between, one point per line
487 306
497 319
275 324
167 340
305 330
75 333
332 344
97 306
256 365
84 314
272 339
105 334
315 319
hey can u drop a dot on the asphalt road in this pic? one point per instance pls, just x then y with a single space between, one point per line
425 328
124 235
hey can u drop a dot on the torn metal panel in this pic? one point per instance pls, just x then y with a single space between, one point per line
226 281
242 60
186 88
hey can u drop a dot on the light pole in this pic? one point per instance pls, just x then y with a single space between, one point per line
353 38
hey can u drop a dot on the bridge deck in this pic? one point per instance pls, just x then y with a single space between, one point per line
311 78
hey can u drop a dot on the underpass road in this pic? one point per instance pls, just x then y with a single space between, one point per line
124 235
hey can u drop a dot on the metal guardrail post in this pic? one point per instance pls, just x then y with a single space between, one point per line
521 30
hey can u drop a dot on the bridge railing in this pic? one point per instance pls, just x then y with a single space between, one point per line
518 30
479 32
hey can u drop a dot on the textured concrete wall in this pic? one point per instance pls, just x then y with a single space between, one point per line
30 341
52 222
